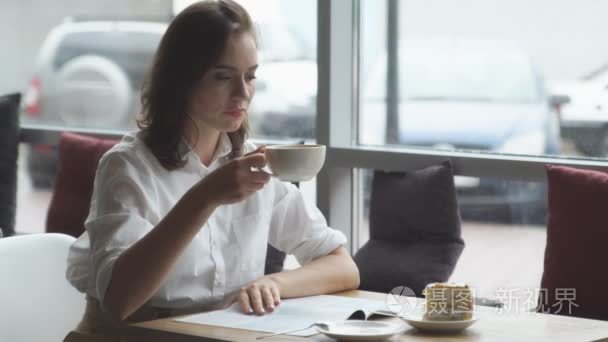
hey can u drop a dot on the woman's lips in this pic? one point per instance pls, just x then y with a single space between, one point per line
236 112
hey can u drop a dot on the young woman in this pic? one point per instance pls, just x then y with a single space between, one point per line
181 215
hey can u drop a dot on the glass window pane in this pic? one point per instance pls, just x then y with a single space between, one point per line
33 199
284 105
462 76
82 64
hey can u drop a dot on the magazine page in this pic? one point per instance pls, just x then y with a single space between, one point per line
291 314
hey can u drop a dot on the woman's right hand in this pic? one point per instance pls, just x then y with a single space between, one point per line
235 181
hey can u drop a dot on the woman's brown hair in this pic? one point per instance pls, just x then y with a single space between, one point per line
193 42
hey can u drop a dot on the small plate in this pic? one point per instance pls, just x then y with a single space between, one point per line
355 330
438 326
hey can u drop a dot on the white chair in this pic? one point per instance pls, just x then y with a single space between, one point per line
36 301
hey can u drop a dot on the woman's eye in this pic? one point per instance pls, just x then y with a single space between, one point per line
222 77
251 77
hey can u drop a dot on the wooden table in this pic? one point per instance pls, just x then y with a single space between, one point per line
492 326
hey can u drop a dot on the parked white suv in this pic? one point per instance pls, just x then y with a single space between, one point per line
88 74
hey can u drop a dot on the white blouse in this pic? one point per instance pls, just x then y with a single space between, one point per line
133 192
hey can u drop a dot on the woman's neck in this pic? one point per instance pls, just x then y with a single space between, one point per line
204 141
206 146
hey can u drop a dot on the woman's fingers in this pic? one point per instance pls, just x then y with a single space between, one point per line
256 160
260 149
267 298
255 299
260 297
259 177
243 299
250 169
275 295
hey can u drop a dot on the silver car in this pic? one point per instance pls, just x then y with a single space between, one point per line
460 93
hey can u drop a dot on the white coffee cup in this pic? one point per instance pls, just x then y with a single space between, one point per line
295 163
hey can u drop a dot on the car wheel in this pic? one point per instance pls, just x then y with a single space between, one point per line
93 91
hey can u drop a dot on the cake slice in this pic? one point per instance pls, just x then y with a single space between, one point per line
448 302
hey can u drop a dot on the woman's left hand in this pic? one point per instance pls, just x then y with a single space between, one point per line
260 296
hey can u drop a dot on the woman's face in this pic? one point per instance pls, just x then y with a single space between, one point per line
221 98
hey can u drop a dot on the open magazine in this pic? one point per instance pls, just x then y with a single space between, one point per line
294 314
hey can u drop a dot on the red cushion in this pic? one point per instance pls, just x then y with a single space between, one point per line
577 240
78 159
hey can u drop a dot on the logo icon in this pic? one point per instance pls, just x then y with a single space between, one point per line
402 300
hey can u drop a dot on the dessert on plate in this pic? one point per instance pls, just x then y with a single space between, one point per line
448 302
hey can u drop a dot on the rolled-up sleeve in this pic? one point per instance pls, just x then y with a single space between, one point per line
299 228
122 212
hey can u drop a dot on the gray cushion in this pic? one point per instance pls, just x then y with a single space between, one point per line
9 142
414 206
384 265
274 260
415 235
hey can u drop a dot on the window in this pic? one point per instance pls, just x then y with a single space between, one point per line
48 59
495 86
468 78
424 81
81 66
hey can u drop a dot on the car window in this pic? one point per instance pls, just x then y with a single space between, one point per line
444 73
132 51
